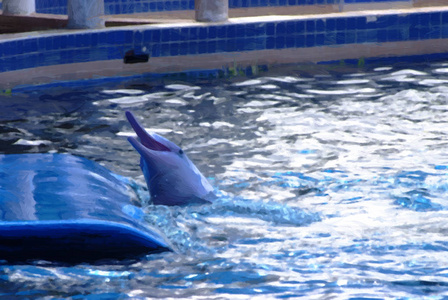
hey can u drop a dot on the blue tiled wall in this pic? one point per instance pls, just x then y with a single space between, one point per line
138 6
200 39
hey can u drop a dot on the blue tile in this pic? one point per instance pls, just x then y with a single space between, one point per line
279 42
290 41
212 32
372 36
57 42
174 49
444 16
320 25
290 28
30 45
444 31
434 32
270 28
320 39
260 43
221 45
341 24
310 26
330 25
382 35
280 29
202 33
413 34
250 30
211 47
156 35
350 37
310 40
351 23
241 44
102 40
424 19
175 35
361 23
383 22
361 37
147 36
240 30
41 43
424 33
183 49
183 5
435 19
184 34
155 50
270 41
231 33
260 29
49 43
221 31
165 35
300 27
176 5
135 37
165 49
413 19
193 48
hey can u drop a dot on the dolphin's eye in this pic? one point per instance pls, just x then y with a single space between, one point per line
181 151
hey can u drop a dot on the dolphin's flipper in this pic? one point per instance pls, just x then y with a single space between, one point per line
171 177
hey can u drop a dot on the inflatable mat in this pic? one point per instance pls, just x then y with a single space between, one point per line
59 207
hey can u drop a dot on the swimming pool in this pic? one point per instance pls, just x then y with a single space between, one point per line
332 183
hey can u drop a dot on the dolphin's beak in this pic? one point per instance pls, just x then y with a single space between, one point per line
145 138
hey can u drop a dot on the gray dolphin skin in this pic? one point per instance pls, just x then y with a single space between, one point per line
171 177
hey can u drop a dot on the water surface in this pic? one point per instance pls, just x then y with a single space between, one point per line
332 184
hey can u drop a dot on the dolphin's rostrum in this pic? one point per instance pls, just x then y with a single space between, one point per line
171 177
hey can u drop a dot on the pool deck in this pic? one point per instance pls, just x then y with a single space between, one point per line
42 22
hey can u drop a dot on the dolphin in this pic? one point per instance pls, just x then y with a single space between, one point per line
171 177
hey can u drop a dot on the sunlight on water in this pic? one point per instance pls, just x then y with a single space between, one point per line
329 184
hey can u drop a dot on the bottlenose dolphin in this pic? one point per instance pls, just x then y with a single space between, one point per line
171 177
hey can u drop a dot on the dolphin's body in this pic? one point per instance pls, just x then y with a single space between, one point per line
171 177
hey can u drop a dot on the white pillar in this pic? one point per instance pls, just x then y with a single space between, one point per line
85 13
211 10
19 7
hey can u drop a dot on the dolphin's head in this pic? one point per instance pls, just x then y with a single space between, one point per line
171 177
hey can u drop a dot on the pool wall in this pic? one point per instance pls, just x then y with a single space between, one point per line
355 36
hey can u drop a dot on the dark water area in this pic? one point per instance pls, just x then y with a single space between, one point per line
332 184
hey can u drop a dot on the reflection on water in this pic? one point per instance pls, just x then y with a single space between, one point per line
331 184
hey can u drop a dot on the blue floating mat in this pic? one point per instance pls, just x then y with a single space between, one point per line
60 207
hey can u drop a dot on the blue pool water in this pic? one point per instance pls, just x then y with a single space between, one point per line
333 184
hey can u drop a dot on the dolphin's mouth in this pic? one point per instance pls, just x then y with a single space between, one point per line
146 139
